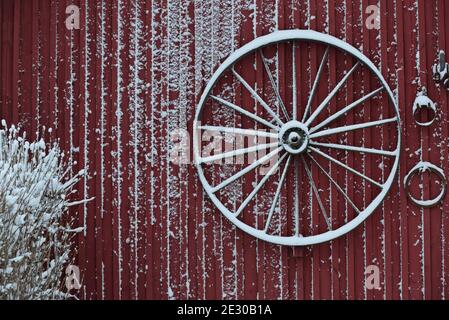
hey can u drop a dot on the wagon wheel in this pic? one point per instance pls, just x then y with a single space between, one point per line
295 131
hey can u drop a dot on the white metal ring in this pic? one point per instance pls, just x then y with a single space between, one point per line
421 168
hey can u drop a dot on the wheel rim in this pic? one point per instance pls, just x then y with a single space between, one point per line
296 137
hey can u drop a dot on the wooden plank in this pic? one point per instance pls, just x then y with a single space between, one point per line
83 121
249 243
15 58
351 238
107 160
436 219
6 54
415 215
403 166
443 40
424 46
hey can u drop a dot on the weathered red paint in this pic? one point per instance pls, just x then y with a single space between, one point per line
179 257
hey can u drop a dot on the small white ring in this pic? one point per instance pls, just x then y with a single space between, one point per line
421 168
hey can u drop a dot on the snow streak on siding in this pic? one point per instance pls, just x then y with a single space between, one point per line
114 92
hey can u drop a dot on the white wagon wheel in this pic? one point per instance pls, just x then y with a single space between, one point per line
296 137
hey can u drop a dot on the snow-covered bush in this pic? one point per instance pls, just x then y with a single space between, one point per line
35 229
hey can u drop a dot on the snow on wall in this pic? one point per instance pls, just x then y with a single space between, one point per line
113 92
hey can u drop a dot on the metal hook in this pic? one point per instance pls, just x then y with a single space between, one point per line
441 69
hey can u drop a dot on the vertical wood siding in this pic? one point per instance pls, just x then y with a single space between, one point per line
115 89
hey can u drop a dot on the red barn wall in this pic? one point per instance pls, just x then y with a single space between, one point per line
112 92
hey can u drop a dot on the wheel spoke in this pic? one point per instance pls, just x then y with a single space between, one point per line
345 110
257 97
335 184
259 185
246 132
315 84
356 149
317 195
246 113
239 152
273 84
246 170
277 195
294 98
296 196
361 175
331 95
365 125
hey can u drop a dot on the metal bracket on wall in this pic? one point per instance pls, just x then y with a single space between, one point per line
423 102
421 168
441 70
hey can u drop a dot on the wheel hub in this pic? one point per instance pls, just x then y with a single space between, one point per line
294 137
